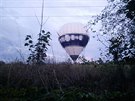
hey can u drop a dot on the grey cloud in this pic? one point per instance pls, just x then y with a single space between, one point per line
18 22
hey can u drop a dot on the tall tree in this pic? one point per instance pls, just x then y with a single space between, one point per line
118 25
38 50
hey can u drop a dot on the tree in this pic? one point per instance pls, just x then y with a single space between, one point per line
130 9
38 50
118 25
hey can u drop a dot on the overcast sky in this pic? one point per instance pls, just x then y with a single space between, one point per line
18 18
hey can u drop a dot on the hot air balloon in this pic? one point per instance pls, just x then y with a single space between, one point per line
73 37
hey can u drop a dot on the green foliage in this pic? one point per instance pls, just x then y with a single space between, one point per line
84 60
38 50
70 94
130 9
77 82
118 30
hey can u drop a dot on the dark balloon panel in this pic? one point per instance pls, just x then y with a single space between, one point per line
74 40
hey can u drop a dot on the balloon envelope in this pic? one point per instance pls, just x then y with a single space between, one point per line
73 38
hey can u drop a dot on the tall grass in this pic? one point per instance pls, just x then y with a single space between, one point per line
95 78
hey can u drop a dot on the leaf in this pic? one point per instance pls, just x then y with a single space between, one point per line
30 41
43 46
29 58
31 46
27 38
26 44
43 31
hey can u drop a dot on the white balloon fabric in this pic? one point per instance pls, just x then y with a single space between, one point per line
73 38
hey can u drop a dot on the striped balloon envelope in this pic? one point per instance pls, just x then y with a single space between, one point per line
73 37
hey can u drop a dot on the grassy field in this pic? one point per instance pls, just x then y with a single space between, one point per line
67 82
